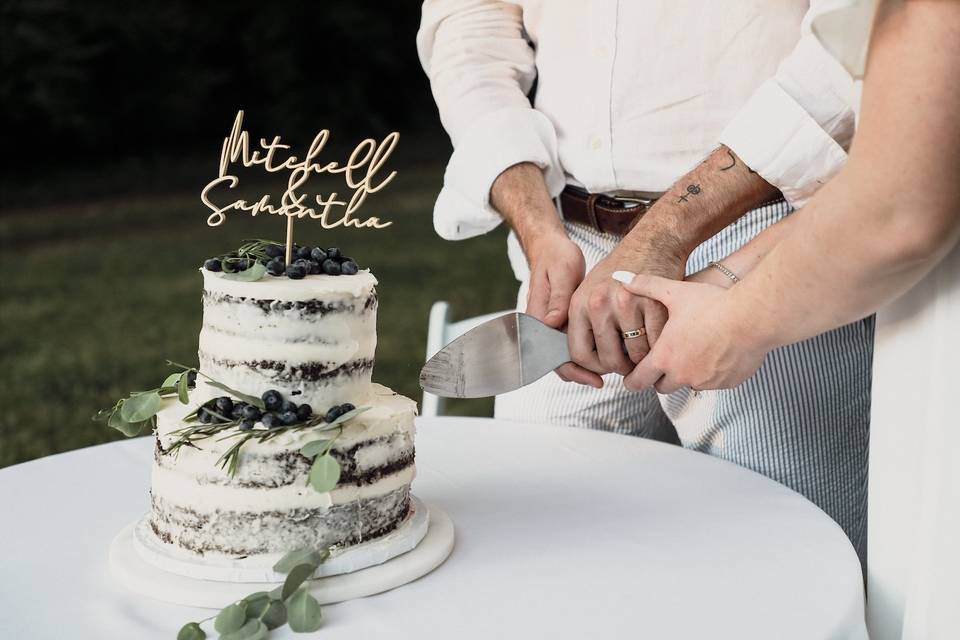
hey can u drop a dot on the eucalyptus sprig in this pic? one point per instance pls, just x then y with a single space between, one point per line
253 617
252 256
130 415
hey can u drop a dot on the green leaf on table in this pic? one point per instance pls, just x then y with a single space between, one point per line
140 406
314 448
297 557
297 576
182 387
230 618
255 272
251 630
275 615
191 631
303 612
324 473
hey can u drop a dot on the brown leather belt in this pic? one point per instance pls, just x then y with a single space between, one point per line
607 214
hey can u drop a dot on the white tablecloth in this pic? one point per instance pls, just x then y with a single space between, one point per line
561 533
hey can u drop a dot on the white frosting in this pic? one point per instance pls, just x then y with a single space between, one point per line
179 488
318 287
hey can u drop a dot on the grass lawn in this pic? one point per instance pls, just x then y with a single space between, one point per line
95 297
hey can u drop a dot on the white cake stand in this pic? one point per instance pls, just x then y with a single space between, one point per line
143 565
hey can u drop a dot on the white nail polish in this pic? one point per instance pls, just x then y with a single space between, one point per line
623 276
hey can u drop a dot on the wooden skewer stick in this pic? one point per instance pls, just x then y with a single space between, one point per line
289 239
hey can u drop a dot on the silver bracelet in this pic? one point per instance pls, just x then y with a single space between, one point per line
723 269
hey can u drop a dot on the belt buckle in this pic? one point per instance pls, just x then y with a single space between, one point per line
631 202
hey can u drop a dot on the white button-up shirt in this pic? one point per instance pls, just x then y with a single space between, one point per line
630 95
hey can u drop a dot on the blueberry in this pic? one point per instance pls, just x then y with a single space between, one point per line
295 272
212 265
288 417
242 264
274 251
334 413
333 252
246 425
318 254
287 405
304 412
276 267
205 417
237 411
346 407
349 268
304 252
315 268
224 405
331 267
192 379
269 420
272 399
251 412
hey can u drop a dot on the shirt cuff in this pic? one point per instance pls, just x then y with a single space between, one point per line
494 143
784 144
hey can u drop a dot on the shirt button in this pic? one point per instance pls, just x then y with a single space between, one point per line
595 143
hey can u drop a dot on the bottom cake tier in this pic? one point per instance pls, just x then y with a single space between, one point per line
268 504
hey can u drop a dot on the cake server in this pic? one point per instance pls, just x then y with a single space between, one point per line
500 355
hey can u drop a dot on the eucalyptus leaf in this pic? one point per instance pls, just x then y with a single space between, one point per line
303 612
230 618
297 557
275 615
251 630
140 406
324 473
171 380
257 607
128 429
297 576
314 448
255 401
255 272
191 631
349 415
182 387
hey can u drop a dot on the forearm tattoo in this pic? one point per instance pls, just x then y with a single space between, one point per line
692 190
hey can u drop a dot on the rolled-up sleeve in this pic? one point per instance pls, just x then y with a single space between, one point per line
794 129
481 68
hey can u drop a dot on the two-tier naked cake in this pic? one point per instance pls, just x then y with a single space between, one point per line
310 342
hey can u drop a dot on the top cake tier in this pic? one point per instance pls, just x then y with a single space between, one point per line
313 338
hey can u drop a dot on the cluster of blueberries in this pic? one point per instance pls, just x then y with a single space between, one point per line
277 413
306 261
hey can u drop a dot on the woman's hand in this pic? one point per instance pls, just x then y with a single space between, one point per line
701 345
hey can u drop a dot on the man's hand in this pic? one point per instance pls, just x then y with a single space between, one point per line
711 196
601 310
556 263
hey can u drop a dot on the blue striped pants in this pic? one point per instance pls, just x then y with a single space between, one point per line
802 420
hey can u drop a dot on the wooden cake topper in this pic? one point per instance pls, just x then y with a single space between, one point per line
359 173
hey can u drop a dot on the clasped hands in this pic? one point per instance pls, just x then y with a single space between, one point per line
687 341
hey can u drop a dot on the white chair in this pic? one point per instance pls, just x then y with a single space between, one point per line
441 332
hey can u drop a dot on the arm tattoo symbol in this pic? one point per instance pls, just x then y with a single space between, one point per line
733 161
692 190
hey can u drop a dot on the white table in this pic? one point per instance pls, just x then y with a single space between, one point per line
561 533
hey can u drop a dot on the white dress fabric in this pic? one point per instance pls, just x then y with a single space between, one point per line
913 570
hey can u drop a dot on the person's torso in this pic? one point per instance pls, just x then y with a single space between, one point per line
640 91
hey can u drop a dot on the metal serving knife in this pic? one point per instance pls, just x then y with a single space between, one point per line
500 355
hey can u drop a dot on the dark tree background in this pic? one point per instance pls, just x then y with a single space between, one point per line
98 81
